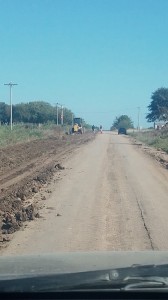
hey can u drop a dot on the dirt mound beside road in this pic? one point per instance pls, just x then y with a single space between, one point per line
24 169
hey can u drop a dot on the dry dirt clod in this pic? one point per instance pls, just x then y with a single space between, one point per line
49 191
34 190
21 195
17 204
49 207
161 160
31 211
6 239
37 215
10 224
59 167
21 216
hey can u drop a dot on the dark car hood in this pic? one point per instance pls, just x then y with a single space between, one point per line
77 262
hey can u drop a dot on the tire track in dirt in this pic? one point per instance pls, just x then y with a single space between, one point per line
34 166
24 172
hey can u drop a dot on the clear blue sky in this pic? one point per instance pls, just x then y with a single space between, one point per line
100 58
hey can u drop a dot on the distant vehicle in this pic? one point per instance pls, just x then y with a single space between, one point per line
122 130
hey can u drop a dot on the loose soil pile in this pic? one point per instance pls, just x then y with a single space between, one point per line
24 169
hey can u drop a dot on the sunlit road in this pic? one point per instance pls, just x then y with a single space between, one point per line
112 196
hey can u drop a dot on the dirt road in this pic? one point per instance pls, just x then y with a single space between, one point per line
110 196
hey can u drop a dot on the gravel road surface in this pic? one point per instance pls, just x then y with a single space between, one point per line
110 196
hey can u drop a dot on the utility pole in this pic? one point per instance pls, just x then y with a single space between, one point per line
62 115
138 118
57 114
72 119
10 84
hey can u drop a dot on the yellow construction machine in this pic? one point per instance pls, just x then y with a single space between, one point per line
77 126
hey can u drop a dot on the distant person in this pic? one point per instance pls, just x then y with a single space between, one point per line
93 128
101 129
76 127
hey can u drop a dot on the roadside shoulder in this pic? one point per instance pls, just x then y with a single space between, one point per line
157 154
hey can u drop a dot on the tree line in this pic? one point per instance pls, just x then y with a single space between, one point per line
34 112
43 112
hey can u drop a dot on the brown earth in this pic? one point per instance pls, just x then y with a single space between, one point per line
111 195
24 169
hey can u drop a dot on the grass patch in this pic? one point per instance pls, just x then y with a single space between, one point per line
27 132
157 139
18 134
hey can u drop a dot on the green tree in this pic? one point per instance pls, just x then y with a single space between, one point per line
158 108
21 112
39 112
68 116
35 112
122 121
4 113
